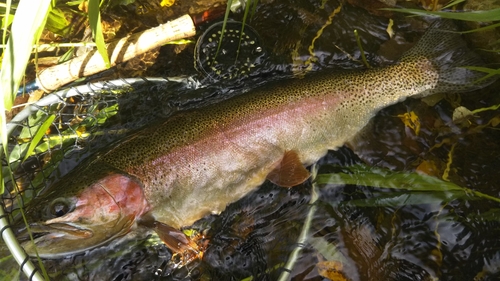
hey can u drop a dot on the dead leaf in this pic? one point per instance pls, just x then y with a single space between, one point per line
332 270
428 167
84 6
167 3
411 121
461 115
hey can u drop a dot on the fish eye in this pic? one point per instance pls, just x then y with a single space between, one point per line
60 207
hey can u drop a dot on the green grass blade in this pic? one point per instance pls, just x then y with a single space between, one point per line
489 71
396 199
27 26
2 183
39 135
485 69
6 20
96 27
492 215
254 7
29 21
491 26
453 3
358 41
245 15
226 16
409 182
382 178
488 15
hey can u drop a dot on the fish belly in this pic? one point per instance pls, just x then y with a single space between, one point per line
207 175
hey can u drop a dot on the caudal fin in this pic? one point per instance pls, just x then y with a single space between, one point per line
449 54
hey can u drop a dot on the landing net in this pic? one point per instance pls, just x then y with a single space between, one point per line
51 136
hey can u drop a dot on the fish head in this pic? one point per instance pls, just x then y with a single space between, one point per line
71 223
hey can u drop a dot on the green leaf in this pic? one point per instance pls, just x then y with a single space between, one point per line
95 26
67 56
7 20
33 123
16 154
39 135
57 22
488 15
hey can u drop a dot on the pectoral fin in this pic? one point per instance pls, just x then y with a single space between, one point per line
289 172
173 238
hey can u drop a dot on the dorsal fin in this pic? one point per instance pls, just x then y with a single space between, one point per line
289 172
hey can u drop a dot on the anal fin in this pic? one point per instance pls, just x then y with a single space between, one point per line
289 172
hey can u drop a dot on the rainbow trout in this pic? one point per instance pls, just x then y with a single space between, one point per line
196 162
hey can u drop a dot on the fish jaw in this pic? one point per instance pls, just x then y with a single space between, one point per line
105 210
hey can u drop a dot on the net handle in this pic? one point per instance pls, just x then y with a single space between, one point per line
16 250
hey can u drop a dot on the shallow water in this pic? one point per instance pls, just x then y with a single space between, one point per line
375 233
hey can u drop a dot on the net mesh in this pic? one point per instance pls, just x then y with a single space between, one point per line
51 136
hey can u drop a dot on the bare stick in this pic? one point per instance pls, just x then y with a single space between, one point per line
122 50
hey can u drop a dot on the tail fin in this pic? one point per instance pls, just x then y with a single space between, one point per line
448 52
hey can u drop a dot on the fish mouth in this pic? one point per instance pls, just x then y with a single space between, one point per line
66 230
39 236
54 230
63 239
